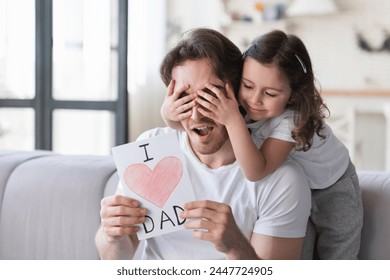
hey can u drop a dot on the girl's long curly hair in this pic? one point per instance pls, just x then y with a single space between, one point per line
291 57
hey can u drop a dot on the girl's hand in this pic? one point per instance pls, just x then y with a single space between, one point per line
217 105
177 104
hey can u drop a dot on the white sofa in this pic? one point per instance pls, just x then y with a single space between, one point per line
50 203
49 206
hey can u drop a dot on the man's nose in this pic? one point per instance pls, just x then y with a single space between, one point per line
196 115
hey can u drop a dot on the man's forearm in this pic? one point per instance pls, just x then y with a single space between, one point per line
122 247
242 250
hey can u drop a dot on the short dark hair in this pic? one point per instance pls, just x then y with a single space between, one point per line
225 57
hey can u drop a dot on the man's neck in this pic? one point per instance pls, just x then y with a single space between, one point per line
223 156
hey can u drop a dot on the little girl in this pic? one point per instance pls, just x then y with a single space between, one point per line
284 113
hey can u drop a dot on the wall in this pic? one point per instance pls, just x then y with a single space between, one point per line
147 47
331 40
339 64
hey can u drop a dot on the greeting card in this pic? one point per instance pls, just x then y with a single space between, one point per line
153 172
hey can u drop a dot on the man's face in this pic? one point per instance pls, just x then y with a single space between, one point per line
205 136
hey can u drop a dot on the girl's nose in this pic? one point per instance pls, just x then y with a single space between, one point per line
257 98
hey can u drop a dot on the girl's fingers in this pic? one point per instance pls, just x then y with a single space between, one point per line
220 94
207 96
207 114
185 115
229 92
171 87
180 90
183 100
186 107
206 104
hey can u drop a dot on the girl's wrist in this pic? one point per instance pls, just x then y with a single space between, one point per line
235 119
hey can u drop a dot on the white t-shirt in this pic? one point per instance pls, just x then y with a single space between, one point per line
279 205
324 163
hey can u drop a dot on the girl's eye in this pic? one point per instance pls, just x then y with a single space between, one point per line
270 94
247 86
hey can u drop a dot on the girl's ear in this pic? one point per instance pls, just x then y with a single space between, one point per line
291 100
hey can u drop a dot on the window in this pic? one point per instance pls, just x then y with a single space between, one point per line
63 75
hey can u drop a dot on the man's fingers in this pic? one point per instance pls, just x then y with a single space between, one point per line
123 221
198 213
117 200
120 231
123 211
198 224
206 209
213 205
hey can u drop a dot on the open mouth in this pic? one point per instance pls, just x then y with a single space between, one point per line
203 131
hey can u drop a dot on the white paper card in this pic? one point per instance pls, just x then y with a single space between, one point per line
153 172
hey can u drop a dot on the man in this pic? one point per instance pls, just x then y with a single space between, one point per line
232 218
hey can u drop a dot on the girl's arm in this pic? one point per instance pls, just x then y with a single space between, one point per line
255 163
176 106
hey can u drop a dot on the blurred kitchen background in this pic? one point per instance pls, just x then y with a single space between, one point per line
81 76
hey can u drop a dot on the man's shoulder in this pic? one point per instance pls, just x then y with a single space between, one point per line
289 175
157 131
291 169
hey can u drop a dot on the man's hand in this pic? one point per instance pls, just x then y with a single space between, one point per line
214 222
120 216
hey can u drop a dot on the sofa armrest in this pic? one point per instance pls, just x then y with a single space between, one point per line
51 206
375 188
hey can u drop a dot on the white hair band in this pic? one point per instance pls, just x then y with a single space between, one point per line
302 64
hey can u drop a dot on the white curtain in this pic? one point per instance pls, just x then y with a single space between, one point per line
147 46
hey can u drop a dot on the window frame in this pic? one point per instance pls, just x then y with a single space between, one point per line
43 102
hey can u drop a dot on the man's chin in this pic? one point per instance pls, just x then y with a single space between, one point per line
207 147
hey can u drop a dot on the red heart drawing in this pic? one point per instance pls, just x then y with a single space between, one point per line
155 186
